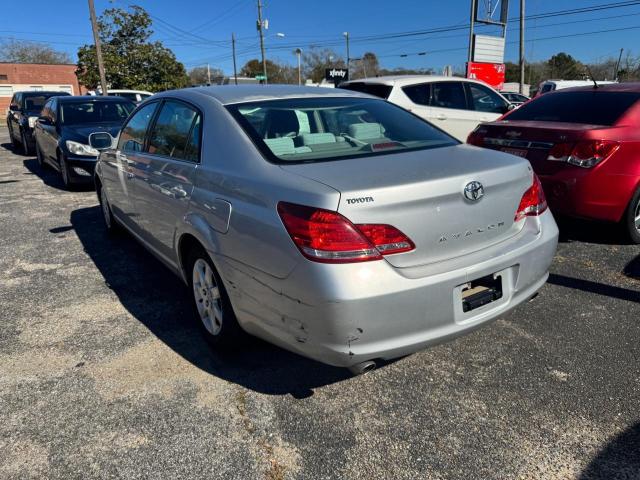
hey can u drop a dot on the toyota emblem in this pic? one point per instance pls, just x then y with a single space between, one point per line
473 191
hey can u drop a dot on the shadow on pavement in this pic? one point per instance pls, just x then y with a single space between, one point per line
158 299
620 458
595 287
51 177
590 231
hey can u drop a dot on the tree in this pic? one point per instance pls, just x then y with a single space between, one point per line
130 59
200 75
564 66
367 66
315 61
276 72
13 51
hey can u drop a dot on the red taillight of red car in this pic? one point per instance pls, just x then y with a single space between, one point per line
328 237
476 139
533 201
585 154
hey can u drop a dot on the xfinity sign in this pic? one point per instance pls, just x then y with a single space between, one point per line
336 75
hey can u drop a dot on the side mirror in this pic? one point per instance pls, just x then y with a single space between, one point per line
101 140
44 121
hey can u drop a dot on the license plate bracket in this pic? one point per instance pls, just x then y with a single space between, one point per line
481 292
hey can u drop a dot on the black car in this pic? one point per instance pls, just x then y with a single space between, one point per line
24 110
63 129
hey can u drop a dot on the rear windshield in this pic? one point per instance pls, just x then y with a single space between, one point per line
321 129
588 107
375 89
36 102
95 112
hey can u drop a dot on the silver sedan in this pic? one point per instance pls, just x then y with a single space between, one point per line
328 222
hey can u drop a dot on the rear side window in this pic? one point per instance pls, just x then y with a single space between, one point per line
448 95
590 107
342 127
485 100
171 134
418 94
132 136
375 89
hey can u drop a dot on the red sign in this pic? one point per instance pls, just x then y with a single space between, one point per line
490 73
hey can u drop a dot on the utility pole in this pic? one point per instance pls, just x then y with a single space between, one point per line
96 39
615 74
298 52
471 23
208 75
261 30
346 36
233 48
522 46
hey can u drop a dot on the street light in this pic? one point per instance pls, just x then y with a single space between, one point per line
346 36
298 52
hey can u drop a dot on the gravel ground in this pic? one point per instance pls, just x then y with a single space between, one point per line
103 373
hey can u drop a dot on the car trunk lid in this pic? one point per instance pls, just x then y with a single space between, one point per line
422 194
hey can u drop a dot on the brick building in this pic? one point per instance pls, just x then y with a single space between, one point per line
16 77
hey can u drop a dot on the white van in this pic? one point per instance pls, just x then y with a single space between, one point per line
456 105
551 85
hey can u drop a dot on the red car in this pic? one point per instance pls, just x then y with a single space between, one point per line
584 144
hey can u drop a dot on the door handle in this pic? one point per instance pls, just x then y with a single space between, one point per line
441 116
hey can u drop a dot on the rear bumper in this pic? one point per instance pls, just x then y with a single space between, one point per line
588 193
346 314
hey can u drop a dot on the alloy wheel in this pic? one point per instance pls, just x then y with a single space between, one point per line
207 296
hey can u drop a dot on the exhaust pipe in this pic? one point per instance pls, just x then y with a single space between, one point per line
362 367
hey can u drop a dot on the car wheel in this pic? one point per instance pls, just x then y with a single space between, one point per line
632 218
109 222
25 145
211 302
64 171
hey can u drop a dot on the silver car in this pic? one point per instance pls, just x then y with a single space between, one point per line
328 222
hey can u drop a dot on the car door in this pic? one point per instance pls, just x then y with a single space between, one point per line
488 104
12 115
450 110
164 174
117 166
49 130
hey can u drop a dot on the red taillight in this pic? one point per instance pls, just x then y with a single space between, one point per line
585 154
326 236
476 139
533 201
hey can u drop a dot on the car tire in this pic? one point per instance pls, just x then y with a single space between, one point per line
110 223
25 145
211 305
631 219
64 171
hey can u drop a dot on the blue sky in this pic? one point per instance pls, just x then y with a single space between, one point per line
199 31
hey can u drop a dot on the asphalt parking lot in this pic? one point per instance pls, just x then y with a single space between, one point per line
103 373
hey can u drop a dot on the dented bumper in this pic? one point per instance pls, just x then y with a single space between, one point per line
346 314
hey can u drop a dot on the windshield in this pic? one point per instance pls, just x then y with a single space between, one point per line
589 107
321 129
95 112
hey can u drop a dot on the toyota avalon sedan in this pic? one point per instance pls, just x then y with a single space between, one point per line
63 130
328 222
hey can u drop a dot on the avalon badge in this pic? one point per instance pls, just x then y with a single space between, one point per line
473 191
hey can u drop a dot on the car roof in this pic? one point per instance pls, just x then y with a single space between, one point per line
605 87
402 80
91 98
37 93
123 90
229 94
